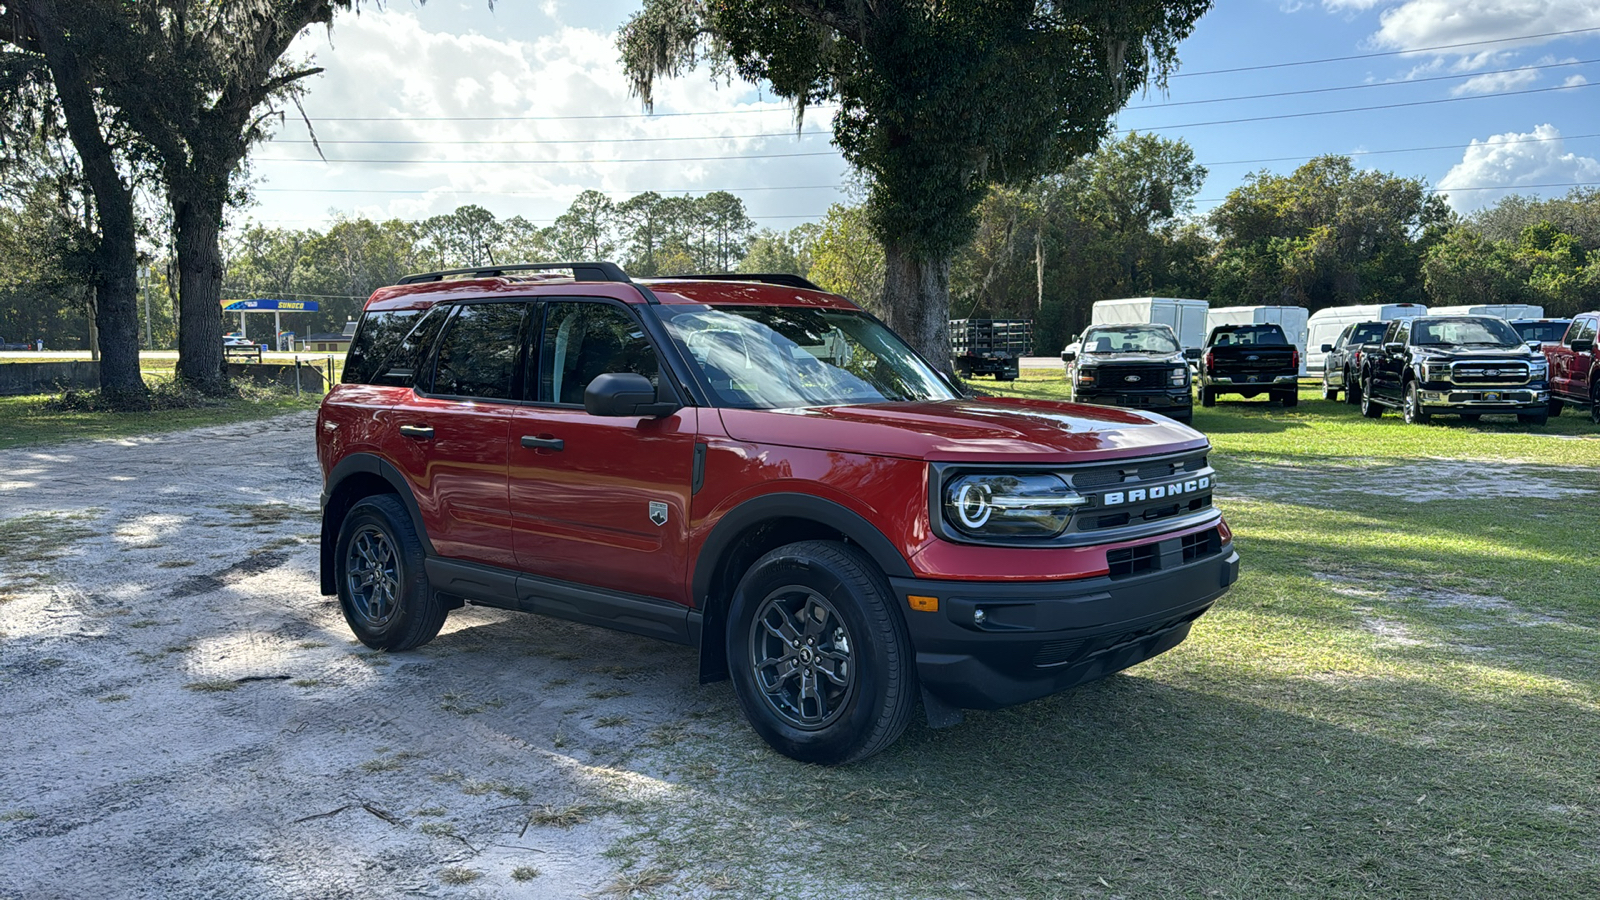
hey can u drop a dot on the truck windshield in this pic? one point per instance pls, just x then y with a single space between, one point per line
1255 335
782 357
1130 339
1367 333
1478 331
1544 332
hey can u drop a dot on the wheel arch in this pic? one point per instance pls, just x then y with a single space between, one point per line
757 526
356 477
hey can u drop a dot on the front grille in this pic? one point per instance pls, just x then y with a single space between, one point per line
1113 475
1203 543
1489 373
1116 377
1131 561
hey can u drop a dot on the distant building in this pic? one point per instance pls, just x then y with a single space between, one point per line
330 342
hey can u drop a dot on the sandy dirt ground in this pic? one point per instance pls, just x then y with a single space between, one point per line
183 715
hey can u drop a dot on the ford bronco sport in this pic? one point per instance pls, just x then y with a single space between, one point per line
754 467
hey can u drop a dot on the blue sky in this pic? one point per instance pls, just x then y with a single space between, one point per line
1515 113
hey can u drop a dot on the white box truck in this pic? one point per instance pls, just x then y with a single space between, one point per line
1187 318
1292 319
1503 310
1325 324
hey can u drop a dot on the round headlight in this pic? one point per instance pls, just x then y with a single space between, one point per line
1009 505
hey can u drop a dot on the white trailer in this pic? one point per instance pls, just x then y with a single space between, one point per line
1292 319
1325 324
1503 310
1186 318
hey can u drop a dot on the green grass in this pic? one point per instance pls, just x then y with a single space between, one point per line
1400 698
29 423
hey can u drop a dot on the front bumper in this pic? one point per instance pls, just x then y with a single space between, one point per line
1177 400
1037 638
1483 400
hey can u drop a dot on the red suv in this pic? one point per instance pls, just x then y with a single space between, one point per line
754 467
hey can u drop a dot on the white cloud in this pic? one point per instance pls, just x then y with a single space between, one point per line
1351 5
1505 162
387 64
1496 82
1575 81
1433 23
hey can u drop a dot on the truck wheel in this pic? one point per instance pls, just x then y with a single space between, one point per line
383 587
1412 409
1594 406
1538 418
820 660
1352 391
1556 406
1289 398
1329 393
1369 407
1208 397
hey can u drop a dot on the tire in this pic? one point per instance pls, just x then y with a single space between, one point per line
1370 407
1594 407
383 586
1208 397
868 688
1329 393
1556 406
1288 398
1352 392
1411 408
1537 419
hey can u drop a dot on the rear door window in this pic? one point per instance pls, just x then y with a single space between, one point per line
586 339
481 352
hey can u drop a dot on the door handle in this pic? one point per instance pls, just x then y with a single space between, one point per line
420 432
542 443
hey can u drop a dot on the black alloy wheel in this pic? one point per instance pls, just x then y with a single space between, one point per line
819 655
1413 411
383 587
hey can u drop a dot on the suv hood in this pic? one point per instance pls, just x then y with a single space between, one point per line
1520 354
969 430
1143 357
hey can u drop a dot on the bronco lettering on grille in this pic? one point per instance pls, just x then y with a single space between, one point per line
1158 492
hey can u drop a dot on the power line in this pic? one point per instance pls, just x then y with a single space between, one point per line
1329 112
704 137
1273 159
543 162
1462 190
496 193
719 112
1358 87
1312 62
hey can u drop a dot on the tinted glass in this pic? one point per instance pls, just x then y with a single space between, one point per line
1464 332
585 340
784 357
379 334
1130 339
1583 331
1254 335
401 366
479 352
1367 332
1543 332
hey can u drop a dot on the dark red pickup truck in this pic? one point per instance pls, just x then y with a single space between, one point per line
1574 368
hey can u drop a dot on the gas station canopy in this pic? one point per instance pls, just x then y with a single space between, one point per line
269 306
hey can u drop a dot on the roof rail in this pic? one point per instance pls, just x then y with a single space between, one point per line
581 271
782 279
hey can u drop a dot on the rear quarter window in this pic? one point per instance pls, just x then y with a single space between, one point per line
378 336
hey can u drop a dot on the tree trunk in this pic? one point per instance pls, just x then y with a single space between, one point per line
197 221
916 301
116 314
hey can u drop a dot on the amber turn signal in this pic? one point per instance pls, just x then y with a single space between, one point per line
923 604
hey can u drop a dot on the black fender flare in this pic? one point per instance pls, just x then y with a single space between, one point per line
751 513
332 517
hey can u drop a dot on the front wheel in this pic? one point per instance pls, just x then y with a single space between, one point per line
1412 410
1208 397
1594 407
383 587
1328 392
820 659
1556 406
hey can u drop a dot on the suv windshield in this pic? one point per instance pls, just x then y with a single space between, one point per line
1131 339
780 357
1481 331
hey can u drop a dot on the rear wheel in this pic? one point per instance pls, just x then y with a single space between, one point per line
1413 411
820 659
1370 407
383 587
1208 397
1352 391
1290 397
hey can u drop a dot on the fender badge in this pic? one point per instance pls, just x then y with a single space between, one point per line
658 512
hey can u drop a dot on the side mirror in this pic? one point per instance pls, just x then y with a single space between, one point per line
1068 356
1583 346
1327 348
623 394
1191 353
1393 347
1535 345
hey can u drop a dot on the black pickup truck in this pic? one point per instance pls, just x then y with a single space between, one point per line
1131 366
1251 360
1466 365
